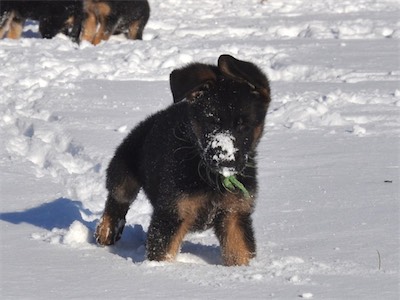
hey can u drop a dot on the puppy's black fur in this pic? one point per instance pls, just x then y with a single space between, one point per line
104 18
180 155
54 16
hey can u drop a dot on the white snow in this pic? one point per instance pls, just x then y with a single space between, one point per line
306 295
223 145
327 214
223 141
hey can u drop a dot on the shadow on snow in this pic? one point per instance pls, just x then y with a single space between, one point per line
62 212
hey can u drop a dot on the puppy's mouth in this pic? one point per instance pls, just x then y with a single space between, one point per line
226 171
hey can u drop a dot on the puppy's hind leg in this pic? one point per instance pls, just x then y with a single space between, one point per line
122 190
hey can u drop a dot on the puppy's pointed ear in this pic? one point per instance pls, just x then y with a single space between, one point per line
191 81
245 71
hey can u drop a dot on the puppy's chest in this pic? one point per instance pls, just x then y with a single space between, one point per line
202 211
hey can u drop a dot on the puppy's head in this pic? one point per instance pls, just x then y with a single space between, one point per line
227 108
59 18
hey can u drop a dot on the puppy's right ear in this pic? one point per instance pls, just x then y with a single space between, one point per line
190 81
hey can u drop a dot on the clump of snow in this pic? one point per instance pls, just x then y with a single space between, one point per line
223 143
226 172
358 130
77 234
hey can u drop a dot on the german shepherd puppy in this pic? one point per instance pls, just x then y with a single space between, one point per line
104 18
182 156
54 16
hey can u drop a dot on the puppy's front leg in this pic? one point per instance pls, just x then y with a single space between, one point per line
165 235
236 236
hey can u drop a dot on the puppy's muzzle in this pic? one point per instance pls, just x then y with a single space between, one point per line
222 155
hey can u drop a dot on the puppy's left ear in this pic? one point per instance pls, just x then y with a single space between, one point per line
245 71
191 80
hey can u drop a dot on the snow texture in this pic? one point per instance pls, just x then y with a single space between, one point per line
327 214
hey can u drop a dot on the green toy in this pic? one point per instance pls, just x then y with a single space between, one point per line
231 183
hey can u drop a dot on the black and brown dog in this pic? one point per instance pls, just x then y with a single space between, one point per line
54 16
89 20
181 157
104 18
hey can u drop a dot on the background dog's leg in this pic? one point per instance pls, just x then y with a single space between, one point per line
122 192
89 27
235 233
107 27
5 21
76 27
165 235
136 28
107 23
16 27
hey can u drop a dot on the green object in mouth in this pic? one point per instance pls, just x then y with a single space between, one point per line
231 183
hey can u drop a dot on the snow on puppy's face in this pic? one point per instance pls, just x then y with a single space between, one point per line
222 148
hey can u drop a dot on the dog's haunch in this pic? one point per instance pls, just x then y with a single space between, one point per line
196 162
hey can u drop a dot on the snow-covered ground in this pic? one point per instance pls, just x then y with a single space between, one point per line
327 217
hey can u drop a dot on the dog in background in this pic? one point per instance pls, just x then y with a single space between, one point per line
54 17
104 18
182 157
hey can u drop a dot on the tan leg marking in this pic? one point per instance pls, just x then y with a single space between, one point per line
187 210
70 21
133 29
89 28
15 30
103 230
102 11
101 35
6 25
235 250
177 239
112 223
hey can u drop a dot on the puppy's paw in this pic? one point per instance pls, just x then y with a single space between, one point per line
109 231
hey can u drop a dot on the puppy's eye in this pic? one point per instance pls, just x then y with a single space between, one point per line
213 122
197 94
242 126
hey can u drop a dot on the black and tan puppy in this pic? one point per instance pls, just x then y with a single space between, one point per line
104 18
195 161
54 16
